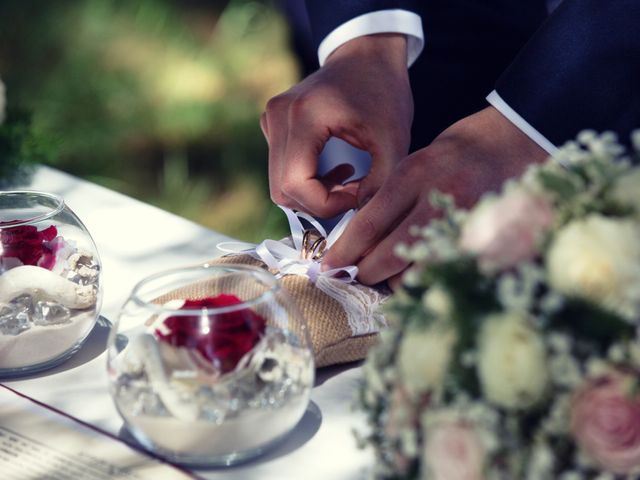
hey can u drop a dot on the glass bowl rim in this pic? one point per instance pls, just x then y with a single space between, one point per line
269 278
57 208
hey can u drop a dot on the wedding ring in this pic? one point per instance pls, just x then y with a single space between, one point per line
313 248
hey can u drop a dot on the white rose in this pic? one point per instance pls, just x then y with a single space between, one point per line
512 362
438 301
424 357
3 102
598 259
626 190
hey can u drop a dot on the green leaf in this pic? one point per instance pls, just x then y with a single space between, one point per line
561 186
590 323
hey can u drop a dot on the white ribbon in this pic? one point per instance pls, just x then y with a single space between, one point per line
286 256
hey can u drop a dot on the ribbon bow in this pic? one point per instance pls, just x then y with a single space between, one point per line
302 253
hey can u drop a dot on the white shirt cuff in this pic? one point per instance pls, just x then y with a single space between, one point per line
496 100
382 21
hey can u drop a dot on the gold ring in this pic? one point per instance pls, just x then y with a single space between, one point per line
313 249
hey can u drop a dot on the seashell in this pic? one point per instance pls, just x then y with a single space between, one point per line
148 352
42 284
84 268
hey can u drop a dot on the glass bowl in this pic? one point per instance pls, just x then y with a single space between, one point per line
210 365
50 283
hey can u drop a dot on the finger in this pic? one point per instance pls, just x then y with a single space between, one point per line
350 188
315 199
386 154
335 179
381 262
337 175
274 113
381 167
370 225
273 123
299 174
395 282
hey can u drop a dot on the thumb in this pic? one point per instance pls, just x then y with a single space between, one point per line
381 167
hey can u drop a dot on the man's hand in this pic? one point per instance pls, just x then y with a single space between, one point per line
475 155
361 95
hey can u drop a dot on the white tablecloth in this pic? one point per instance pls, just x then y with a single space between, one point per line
134 240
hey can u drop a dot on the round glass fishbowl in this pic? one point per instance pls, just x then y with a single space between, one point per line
50 283
210 365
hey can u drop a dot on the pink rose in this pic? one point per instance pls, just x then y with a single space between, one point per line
505 231
453 451
605 421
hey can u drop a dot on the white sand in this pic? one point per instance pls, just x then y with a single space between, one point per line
40 344
200 438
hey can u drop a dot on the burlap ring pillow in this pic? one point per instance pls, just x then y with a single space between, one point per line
342 325
338 334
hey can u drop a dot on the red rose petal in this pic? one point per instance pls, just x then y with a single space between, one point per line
29 245
230 335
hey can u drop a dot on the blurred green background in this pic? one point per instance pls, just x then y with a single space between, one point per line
158 99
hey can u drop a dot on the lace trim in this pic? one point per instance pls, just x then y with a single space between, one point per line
362 306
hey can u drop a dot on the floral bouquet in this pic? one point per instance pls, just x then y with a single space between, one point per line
512 351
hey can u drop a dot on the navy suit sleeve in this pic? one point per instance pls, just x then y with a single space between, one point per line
580 70
326 15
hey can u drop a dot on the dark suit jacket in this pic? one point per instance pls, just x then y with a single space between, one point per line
580 67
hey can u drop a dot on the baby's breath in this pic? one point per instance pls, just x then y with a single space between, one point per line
564 343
